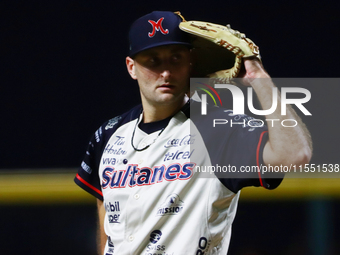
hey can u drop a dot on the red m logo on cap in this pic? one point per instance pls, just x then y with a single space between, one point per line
157 26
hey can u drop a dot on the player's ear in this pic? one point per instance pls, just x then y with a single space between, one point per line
130 65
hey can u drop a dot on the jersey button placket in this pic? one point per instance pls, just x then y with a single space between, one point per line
133 214
131 238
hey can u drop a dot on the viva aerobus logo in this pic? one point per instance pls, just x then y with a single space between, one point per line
239 99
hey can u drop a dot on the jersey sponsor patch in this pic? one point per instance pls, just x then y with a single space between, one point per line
154 246
113 211
112 122
203 245
155 236
178 155
111 246
113 150
98 134
86 167
172 205
186 140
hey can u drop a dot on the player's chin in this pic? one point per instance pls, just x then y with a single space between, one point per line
171 98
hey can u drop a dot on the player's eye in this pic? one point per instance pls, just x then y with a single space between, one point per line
176 58
154 61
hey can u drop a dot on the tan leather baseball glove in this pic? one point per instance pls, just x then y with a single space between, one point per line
218 50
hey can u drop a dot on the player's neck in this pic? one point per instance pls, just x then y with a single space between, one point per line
160 112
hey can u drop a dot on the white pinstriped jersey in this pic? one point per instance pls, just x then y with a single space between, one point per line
156 201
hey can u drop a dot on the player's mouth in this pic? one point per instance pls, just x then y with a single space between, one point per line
166 87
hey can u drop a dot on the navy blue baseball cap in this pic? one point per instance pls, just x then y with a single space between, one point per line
156 29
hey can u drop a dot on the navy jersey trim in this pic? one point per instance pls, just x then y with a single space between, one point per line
88 176
88 187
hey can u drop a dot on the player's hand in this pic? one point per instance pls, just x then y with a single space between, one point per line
252 69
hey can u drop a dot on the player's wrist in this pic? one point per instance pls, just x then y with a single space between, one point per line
254 69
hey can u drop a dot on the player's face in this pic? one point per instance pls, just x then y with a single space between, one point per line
162 73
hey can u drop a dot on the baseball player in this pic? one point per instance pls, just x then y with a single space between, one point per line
142 166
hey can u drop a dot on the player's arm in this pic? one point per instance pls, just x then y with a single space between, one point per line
101 236
286 146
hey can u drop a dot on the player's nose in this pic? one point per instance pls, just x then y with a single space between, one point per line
165 73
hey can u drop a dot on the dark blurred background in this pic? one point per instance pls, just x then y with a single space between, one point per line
63 74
